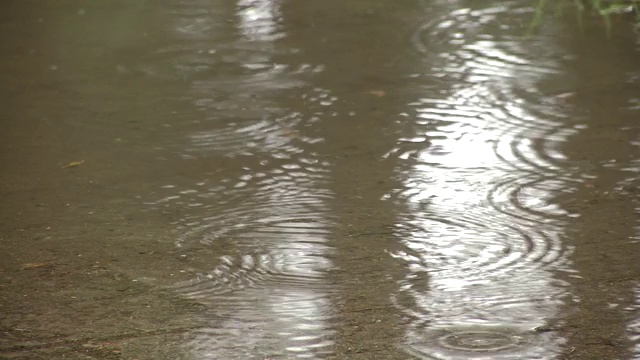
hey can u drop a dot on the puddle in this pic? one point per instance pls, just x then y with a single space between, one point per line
477 342
317 180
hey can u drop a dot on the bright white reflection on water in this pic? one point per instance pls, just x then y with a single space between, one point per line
258 19
483 237
633 326
256 243
474 167
634 322
268 294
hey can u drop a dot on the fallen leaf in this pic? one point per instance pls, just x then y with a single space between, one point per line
378 93
72 164
28 266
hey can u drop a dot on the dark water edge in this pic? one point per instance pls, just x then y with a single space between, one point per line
350 180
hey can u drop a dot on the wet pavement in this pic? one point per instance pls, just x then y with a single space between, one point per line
261 179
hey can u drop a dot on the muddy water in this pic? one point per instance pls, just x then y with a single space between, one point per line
351 180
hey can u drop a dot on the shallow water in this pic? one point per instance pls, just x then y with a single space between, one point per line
270 179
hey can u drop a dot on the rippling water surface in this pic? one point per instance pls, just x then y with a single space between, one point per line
484 238
257 241
385 180
452 110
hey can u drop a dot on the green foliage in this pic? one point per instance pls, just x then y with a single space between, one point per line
604 8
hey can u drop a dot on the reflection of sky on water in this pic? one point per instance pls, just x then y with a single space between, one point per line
634 323
268 295
258 20
276 319
264 233
483 237
634 319
480 168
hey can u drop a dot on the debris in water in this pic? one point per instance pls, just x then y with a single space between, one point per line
72 164
35 265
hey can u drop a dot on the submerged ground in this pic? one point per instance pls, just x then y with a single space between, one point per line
261 179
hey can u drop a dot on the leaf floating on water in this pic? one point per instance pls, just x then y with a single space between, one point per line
35 265
72 164
378 93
